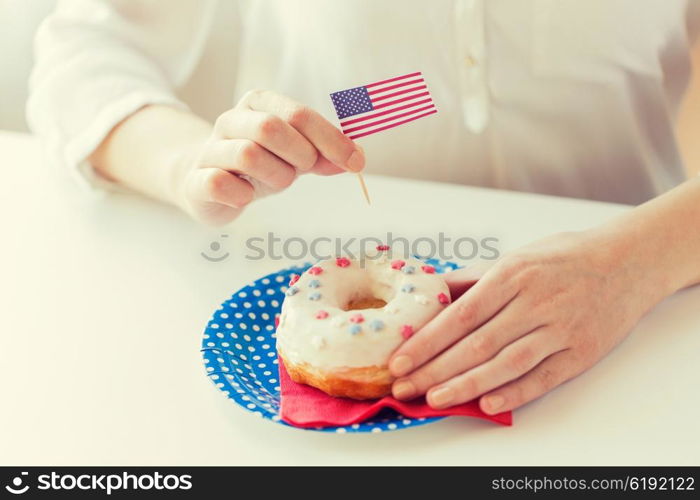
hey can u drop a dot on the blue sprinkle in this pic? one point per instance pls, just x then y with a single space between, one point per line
408 269
292 290
314 283
355 329
376 324
408 288
314 296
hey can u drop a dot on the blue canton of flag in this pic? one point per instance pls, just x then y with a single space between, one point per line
351 102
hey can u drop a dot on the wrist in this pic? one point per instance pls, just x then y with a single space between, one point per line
151 150
632 250
663 235
181 161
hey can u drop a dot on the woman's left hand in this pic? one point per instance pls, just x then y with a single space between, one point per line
538 317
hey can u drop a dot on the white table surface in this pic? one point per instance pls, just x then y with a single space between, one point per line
103 302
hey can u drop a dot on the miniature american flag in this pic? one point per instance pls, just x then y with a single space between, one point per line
382 105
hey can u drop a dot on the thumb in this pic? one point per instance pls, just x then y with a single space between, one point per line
461 280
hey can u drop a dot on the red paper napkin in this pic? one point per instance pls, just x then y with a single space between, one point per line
306 406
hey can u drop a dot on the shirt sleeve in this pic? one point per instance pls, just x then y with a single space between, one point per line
98 61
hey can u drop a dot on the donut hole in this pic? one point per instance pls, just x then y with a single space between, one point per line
366 302
371 292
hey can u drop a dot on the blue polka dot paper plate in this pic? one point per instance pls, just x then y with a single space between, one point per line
240 358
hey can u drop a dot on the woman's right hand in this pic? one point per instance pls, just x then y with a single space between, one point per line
258 147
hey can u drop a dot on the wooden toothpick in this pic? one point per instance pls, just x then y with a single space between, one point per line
364 187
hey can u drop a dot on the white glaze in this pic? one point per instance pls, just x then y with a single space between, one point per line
328 343
422 299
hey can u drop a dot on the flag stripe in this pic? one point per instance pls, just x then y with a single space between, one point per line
391 87
391 112
390 118
400 92
382 113
382 82
391 125
403 99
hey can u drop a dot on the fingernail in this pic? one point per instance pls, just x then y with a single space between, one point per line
356 161
403 389
440 397
401 365
493 403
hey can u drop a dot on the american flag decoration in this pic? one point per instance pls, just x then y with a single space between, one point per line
382 105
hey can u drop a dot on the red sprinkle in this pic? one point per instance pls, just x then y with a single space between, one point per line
342 262
428 269
406 331
383 248
277 320
295 278
397 264
321 315
443 299
357 318
316 270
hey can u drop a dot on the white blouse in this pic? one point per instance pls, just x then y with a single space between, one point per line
567 97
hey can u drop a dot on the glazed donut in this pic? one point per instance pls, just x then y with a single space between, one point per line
341 321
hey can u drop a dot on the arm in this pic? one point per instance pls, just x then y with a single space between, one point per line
213 172
689 119
154 167
99 61
551 310
102 99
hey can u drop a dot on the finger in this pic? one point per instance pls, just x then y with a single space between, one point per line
471 310
512 362
271 132
555 370
328 139
218 186
325 167
461 280
246 157
511 323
